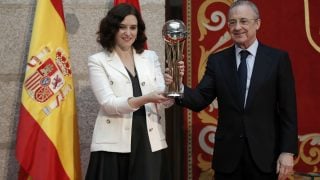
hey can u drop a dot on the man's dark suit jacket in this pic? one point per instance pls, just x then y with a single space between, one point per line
269 120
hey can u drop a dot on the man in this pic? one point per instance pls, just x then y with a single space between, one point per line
256 137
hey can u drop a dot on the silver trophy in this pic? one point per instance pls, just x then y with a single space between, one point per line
174 33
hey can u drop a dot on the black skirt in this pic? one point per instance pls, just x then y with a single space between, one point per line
140 164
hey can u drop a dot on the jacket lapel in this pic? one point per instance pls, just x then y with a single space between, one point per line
141 65
143 68
229 68
115 62
262 66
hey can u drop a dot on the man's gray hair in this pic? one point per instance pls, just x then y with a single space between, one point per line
246 3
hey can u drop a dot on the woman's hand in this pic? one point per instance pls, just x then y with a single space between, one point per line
156 97
153 97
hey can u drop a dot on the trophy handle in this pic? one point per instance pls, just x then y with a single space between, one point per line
174 54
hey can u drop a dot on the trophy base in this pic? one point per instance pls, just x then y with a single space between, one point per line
173 94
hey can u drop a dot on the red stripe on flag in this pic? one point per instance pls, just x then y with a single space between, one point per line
35 152
135 3
33 82
57 4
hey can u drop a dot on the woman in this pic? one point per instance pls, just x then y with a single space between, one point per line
129 139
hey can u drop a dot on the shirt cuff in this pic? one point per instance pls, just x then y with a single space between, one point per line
181 89
287 153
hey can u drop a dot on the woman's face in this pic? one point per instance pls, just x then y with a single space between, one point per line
127 32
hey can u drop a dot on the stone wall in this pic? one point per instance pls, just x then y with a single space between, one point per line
82 19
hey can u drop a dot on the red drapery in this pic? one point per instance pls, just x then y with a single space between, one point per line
135 3
290 25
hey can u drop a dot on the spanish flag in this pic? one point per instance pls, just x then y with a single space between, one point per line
47 145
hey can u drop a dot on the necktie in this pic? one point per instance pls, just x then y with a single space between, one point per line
242 73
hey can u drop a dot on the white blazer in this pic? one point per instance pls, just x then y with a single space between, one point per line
112 87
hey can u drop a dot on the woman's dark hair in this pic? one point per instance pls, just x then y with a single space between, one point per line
110 25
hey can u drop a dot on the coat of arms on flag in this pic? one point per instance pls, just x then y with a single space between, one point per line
48 78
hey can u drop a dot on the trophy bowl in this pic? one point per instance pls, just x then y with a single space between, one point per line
174 33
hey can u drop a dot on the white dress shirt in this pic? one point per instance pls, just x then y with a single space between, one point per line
250 62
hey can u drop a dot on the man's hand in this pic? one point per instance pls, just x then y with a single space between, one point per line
168 78
285 165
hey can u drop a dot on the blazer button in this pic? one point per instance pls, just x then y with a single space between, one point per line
143 83
111 82
108 121
150 129
241 136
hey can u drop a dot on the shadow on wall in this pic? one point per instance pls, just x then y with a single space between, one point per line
87 108
12 163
